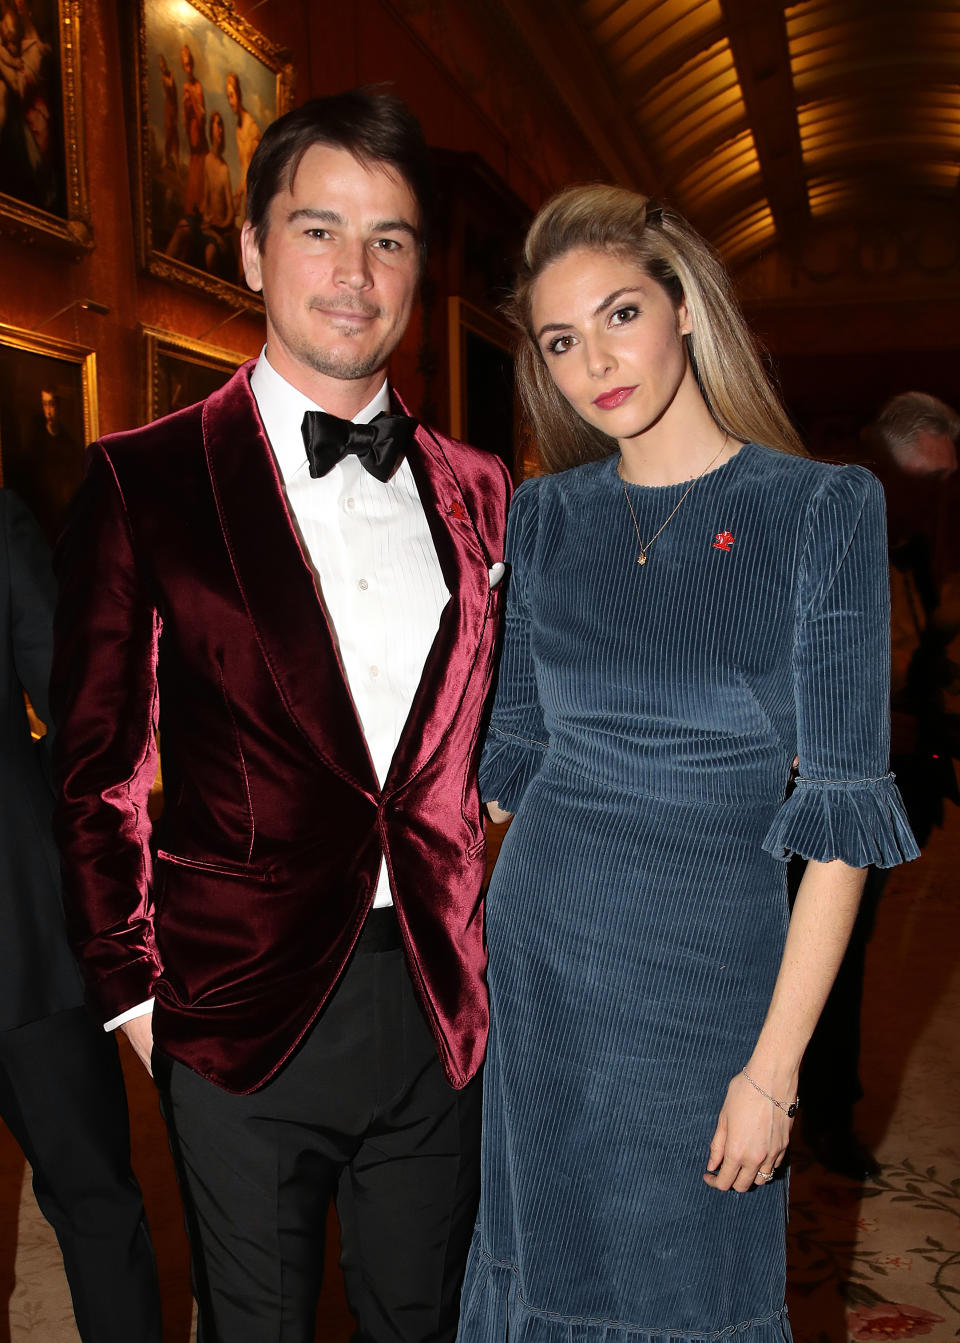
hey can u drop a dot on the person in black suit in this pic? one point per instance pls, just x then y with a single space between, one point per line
61 1088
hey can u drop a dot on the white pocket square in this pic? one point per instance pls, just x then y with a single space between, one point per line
496 572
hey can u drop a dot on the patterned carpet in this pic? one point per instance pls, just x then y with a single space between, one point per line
883 1261
880 1262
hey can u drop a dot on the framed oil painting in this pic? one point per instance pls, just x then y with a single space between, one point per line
180 371
208 85
43 182
48 414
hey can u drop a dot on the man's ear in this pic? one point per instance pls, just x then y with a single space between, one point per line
250 253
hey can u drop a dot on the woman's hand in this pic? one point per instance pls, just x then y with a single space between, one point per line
752 1133
496 815
751 1138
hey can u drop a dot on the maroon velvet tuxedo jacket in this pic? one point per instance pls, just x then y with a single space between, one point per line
184 588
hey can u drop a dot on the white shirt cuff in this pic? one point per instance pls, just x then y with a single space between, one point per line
141 1010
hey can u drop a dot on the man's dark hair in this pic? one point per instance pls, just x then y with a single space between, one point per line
373 126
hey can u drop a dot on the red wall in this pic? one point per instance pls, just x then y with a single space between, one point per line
333 47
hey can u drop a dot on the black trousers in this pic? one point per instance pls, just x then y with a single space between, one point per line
63 1099
362 1114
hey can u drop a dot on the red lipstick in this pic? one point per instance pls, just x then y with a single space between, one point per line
610 400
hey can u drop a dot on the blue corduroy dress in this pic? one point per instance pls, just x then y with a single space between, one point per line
644 728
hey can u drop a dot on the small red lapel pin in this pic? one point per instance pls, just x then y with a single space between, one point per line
457 510
723 541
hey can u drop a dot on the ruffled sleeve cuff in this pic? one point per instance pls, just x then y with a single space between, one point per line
506 767
863 823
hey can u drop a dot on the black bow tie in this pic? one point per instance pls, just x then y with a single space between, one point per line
379 444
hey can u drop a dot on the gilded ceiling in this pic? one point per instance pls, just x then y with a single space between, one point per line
761 119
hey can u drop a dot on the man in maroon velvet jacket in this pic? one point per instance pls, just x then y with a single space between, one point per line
307 606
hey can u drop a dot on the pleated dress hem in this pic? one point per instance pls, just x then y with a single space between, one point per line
494 1311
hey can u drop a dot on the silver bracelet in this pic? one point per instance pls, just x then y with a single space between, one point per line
788 1110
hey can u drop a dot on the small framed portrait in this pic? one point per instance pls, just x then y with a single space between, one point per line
180 371
208 86
43 181
48 414
481 381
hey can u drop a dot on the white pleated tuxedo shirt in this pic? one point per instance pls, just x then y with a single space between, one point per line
374 564
375 567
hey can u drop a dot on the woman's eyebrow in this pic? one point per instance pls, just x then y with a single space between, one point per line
601 307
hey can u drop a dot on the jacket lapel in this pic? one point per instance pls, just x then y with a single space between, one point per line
464 565
277 584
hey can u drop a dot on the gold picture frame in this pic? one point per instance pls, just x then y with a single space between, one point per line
48 414
200 63
43 162
179 371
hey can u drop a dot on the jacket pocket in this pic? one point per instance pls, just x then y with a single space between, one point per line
239 871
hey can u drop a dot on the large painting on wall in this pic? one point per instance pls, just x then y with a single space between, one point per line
48 414
209 84
43 194
181 371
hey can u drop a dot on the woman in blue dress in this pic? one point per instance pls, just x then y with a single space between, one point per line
694 609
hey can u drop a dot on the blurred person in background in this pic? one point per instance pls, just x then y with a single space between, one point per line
912 448
61 1088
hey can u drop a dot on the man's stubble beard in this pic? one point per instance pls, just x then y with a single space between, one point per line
342 367
346 367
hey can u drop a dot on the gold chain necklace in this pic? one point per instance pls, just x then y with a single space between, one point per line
642 556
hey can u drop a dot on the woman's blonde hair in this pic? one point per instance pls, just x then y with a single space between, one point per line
721 348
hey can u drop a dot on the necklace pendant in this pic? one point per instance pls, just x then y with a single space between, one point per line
641 559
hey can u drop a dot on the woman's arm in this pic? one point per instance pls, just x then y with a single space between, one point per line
517 738
752 1133
843 814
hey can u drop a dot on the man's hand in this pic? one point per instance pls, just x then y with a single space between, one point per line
139 1031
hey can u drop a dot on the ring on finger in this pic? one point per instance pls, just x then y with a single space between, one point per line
764 1175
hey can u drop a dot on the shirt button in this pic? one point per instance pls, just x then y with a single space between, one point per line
374 671
351 504
363 585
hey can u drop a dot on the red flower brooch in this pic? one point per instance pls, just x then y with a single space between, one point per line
723 541
457 510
